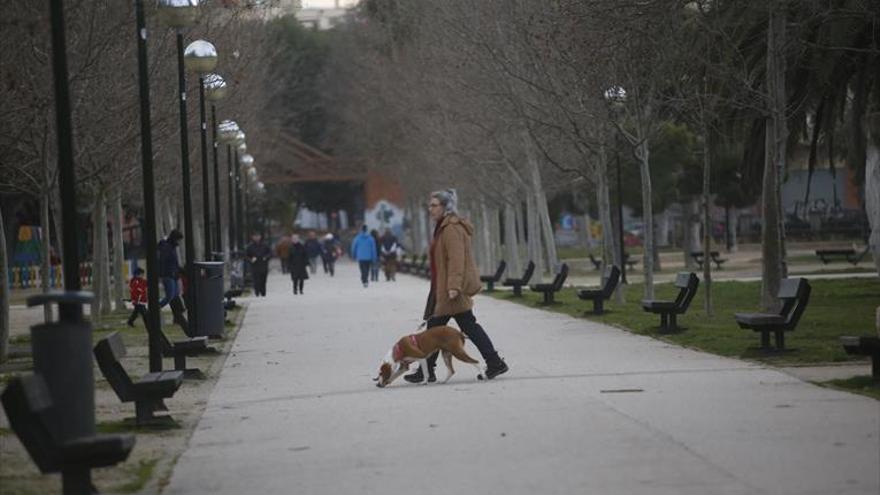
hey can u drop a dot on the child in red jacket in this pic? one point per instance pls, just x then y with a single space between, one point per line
138 288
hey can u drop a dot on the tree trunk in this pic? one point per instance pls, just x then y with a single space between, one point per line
663 228
522 244
486 234
534 237
611 251
118 253
497 253
46 248
707 228
544 223
732 227
105 256
643 155
4 293
872 186
774 163
510 242
96 263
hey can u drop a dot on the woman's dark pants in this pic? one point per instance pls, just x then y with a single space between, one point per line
467 322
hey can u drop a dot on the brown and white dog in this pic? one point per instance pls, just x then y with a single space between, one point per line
417 347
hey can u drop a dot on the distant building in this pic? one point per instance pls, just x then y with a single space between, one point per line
322 19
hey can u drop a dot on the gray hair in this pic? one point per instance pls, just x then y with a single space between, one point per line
449 199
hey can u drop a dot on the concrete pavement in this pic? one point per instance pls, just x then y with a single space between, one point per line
585 409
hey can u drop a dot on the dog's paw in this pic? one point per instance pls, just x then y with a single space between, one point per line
480 377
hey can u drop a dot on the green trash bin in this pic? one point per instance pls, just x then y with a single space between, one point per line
209 299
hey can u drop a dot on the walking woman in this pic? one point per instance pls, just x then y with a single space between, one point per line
454 279
297 263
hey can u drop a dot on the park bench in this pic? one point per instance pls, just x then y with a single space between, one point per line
865 346
687 283
597 263
32 416
794 293
610 280
405 266
849 254
518 283
714 256
630 261
552 288
423 269
491 279
181 349
230 295
147 393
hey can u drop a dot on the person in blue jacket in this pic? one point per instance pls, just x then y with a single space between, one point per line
363 249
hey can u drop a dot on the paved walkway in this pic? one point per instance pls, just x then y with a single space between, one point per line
585 409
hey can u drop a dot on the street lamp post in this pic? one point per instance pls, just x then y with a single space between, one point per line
616 96
200 57
228 132
180 14
216 89
247 163
240 153
154 318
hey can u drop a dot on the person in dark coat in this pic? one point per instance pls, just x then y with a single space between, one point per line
313 250
297 263
258 254
169 272
169 265
329 253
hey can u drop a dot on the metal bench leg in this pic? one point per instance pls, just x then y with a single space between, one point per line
490 286
143 410
517 290
598 308
548 298
664 321
765 339
77 481
180 362
673 324
780 340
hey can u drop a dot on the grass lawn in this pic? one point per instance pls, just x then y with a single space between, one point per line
837 307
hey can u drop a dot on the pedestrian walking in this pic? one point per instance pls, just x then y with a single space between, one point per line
282 250
389 252
297 262
169 271
374 268
258 254
363 250
329 253
169 265
313 251
454 279
137 288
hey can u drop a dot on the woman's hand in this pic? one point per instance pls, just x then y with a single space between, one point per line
453 293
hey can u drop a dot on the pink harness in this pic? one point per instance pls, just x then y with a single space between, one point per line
397 352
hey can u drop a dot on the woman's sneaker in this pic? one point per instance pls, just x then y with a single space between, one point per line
498 367
418 377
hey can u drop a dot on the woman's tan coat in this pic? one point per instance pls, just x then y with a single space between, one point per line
455 267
